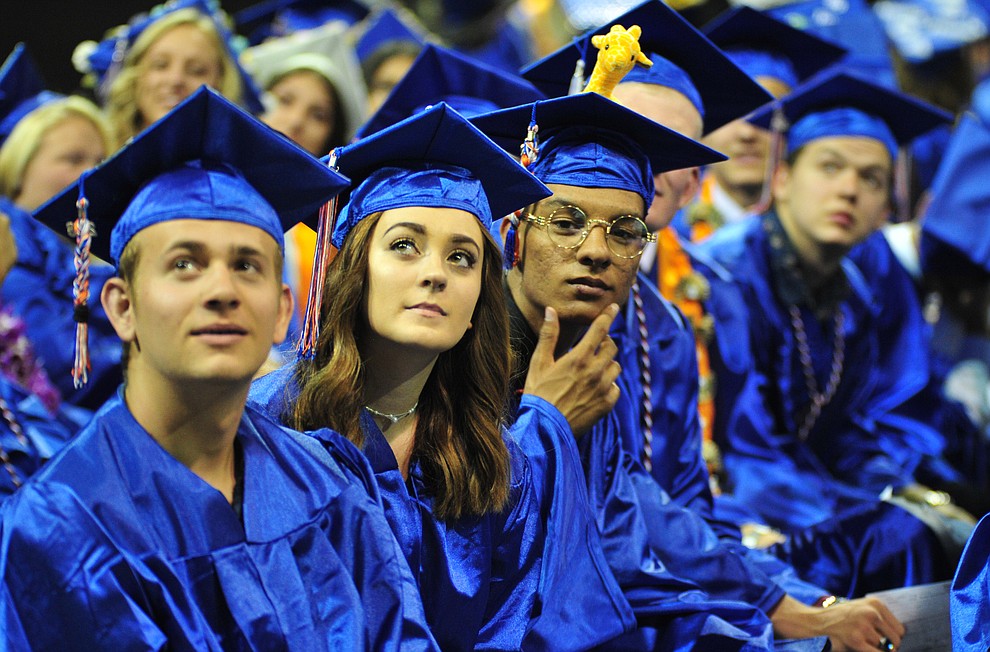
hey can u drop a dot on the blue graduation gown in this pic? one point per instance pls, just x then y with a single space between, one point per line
683 585
925 429
872 547
117 545
45 433
39 289
849 457
969 601
505 580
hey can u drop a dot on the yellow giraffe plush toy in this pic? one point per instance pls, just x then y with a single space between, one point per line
618 52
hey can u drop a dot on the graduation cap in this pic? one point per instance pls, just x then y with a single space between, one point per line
850 24
921 30
726 92
466 85
324 50
608 144
276 18
103 60
206 159
22 90
434 158
958 218
385 27
766 47
407 164
840 104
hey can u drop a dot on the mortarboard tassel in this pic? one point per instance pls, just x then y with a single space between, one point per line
83 231
902 186
529 152
778 126
321 260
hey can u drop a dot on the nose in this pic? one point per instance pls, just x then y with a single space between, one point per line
434 273
594 251
847 183
221 292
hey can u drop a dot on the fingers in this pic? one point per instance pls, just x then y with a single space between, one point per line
547 342
598 332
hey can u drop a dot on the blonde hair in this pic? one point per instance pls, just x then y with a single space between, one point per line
122 105
25 139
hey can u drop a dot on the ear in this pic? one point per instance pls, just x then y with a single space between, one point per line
503 227
119 306
691 189
598 41
643 59
780 181
285 307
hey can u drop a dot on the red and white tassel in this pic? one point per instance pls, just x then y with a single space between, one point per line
321 260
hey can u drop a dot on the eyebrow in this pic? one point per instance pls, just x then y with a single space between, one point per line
554 202
200 248
457 238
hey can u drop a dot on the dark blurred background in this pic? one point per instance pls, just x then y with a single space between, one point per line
53 28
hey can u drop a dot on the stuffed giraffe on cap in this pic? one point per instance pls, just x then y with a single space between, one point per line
618 52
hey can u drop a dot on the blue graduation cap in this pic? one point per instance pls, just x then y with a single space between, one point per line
851 24
101 60
385 27
22 89
839 104
766 47
957 220
623 149
726 92
433 158
921 30
157 177
275 18
441 75
206 159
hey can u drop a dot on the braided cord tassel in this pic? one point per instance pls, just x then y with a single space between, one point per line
646 379
778 125
80 290
321 260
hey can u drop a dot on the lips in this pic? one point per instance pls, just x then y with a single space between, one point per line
429 308
589 281
220 329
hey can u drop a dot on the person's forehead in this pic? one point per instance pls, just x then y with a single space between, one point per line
602 201
661 104
860 149
209 235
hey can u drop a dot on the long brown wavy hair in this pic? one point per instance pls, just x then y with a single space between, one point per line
458 440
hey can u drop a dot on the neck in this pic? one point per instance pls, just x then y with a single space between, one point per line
195 422
393 382
818 262
747 195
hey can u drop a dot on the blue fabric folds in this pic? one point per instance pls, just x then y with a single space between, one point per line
197 191
840 122
117 545
593 158
530 577
969 601
429 184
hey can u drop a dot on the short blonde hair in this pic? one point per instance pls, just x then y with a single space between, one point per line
122 101
25 139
